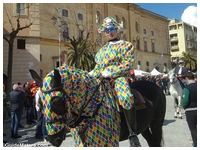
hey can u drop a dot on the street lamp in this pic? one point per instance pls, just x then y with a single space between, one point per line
58 20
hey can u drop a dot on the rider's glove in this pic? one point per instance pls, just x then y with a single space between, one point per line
106 74
91 72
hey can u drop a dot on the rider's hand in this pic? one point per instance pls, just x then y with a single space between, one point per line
91 72
106 74
179 75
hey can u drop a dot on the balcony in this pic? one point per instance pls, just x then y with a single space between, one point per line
191 47
174 39
190 39
174 48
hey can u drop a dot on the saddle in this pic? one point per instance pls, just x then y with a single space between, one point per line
139 101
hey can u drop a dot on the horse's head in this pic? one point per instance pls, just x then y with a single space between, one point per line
64 95
172 77
53 98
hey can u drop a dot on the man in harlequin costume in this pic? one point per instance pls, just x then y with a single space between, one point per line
115 59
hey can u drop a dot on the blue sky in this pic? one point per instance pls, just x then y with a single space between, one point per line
172 10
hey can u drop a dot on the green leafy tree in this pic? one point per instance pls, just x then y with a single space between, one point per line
79 54
190 60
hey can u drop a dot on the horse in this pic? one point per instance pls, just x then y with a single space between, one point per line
176 93
72 98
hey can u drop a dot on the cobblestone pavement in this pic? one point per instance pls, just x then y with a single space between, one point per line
175 133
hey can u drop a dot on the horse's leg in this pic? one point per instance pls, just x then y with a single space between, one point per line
179 107
156 130
148 136
175 107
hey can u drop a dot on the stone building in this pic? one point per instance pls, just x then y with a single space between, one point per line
183 38
38 47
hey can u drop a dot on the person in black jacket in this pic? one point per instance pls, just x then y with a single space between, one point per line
189 103
29 104
16 101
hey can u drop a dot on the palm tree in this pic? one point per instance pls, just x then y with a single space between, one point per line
80 56
190 60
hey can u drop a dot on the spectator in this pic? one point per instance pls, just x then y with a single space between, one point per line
16 100
195 77
34 88
189 103
163 84
29 104
40 115
21 89
5 110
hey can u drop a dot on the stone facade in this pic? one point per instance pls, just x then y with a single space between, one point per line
42 38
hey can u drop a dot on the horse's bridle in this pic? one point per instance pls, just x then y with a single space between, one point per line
60 89
70 123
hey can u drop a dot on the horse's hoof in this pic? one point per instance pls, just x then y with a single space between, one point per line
175 116
134 141
180 117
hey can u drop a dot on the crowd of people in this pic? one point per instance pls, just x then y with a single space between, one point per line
20 99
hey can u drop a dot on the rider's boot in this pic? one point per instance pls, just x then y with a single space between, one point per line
131 119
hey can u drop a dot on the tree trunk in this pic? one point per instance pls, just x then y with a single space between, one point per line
9 71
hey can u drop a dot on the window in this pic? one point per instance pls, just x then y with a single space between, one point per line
117 19
144 31
147 63
64 12
40 57
41 73
98 18
20 8
21 43
80 16
145 45
80 34
124 23
139 63
136 27
65 34
138 44
153 47
152 33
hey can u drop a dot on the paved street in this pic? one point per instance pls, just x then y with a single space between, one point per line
175 133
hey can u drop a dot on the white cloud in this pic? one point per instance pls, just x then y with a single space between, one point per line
189 15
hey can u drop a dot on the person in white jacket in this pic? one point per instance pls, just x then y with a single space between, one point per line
40 127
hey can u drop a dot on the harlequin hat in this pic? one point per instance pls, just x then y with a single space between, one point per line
109 24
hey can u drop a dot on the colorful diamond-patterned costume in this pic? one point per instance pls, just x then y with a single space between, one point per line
117 58
103 129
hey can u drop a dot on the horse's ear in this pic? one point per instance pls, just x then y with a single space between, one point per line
56 79
57 75
36 77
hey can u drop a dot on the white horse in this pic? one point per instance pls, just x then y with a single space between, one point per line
176 92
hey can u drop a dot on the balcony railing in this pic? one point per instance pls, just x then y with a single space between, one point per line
174 48
174 39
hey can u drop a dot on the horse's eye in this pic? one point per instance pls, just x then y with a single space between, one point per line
57 105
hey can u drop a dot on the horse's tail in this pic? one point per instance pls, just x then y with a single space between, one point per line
162 140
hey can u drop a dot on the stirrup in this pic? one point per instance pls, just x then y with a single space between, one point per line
134 141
